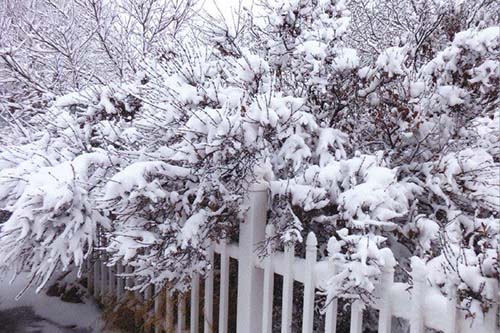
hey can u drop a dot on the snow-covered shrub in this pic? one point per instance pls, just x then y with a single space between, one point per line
53 222
385 154
49 187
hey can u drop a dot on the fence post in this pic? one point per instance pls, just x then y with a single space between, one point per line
250 278
418 272
309 288
385 315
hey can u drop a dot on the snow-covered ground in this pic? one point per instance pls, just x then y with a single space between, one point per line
43 314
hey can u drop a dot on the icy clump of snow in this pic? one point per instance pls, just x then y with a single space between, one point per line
391 61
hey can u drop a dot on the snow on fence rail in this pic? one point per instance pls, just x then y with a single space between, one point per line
422 306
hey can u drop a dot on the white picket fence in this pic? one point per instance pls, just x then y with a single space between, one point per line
420 305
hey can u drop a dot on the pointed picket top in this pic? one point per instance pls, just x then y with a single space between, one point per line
311 241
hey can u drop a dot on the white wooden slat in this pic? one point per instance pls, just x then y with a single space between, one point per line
233 250
356 317
417 320
104 280
157 309
137 294
279 266
89 272
251 278
195 304
120 283
224 288
491 316
181 313
331 316
267 301
111 281
309 288
385 314
169 312
208 310
287 302
453 326
331 308
129 280
97 278
148 297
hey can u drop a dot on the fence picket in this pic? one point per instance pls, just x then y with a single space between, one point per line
181 313
385 314
208 312
157 308
195 303
111 281
356 317
491 316
169 312
309 288
267 301
129 282
452 311
137 293
89 272
148 295
97 275
287 303
119 281
331 308
417 295
224 288
104 280
331 317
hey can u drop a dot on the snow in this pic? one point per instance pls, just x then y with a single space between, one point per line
346 59
451 95
392 60
82 315
190 229
135 177
417 88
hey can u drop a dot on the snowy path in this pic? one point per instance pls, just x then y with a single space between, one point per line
39 313
24 319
